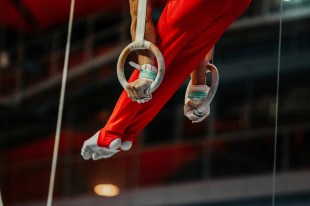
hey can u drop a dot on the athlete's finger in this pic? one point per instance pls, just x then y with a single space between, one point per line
96 156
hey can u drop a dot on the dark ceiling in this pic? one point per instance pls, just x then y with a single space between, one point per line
32 14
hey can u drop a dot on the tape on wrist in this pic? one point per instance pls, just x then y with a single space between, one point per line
147 74
197 95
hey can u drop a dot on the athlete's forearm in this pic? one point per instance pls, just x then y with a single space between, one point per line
198 76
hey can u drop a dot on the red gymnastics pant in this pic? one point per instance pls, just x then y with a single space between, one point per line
186 32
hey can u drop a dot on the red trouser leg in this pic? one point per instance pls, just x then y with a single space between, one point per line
186 32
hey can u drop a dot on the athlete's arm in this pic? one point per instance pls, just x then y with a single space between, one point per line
198 76
197 92
138 90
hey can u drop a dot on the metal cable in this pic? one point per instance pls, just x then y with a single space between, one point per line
60 108
277 107
1 202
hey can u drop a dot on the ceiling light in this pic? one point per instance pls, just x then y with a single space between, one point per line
107 190
4 59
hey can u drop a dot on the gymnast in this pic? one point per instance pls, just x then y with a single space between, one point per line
186 34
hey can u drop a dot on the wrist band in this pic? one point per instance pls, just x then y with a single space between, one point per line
147 74
197 95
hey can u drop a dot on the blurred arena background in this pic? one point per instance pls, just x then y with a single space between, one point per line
226 160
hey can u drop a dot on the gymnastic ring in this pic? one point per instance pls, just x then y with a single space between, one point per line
214 84
160 63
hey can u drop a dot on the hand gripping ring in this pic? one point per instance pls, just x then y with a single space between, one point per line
145 45
214 84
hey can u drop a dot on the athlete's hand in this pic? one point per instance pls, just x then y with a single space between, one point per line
91 149
139 90
195 107
196 112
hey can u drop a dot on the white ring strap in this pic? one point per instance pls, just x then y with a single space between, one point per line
140 29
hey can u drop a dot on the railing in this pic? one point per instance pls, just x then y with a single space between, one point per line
94 48
50 63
